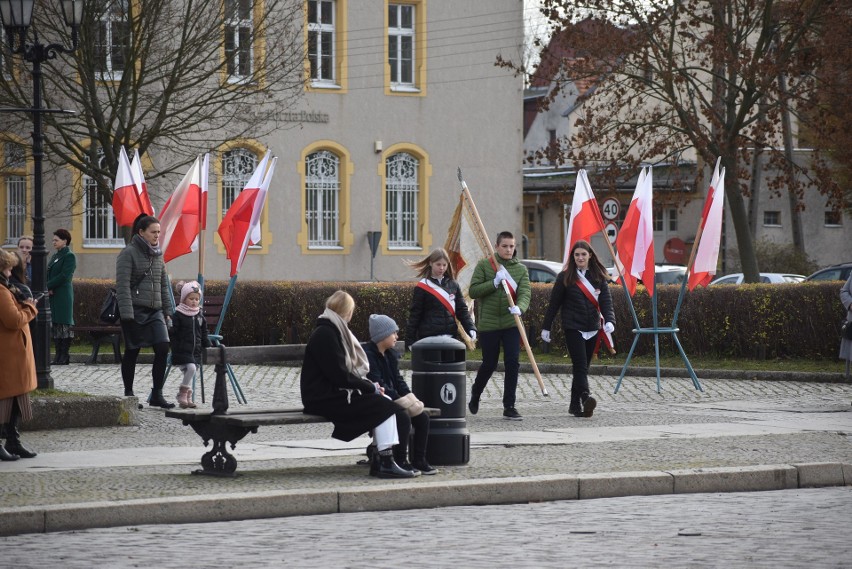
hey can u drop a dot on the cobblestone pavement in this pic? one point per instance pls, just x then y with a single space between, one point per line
792 528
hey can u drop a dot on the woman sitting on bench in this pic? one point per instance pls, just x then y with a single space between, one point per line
333 386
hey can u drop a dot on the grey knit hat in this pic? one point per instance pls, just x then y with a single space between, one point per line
381 327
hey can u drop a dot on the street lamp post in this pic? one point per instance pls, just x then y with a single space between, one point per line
16 17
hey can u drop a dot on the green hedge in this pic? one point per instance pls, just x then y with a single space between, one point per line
760 320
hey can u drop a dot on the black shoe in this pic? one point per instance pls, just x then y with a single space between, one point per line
424 467
157 400
511 414
409 467
589 406
7 456
388 468
575 411
473 406
14 447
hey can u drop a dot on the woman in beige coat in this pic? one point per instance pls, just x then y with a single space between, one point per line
19 373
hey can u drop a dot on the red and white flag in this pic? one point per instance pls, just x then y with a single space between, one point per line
465 243
129 195
141 186
635 240
181 217
240 227
586 219
707 255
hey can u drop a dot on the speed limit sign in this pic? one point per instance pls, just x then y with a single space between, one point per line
610 208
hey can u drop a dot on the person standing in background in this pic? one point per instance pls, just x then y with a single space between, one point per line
25 248
60 272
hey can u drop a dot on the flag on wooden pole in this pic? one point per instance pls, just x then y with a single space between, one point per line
465 243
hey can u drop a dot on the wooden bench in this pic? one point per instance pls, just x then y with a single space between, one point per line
224 428
100 334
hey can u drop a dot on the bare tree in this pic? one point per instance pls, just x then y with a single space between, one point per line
694 75
171 78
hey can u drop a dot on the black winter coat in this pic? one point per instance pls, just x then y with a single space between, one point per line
428 317
578 313
330 390
188 338
384 369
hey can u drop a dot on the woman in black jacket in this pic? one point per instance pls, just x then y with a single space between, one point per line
333 385
581 292
437 301
144 303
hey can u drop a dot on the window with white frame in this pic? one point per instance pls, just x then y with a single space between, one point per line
322 193
401 45
112 39
15 182
99 226
402 193
239 29
321 32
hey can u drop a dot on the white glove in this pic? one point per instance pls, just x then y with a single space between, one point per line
472 335
545 335
609 327
515 310
502 275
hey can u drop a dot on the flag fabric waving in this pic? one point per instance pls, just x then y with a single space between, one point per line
710 229
586 219
465 244
141 186
129 196
180 219
635 241
241 225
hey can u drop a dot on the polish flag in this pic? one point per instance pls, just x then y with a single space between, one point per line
465 245
635 241
707 255
141 186
585 218
127 202
241 225
181 217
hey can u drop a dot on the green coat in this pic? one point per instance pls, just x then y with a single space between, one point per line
492 306
60 271
135 264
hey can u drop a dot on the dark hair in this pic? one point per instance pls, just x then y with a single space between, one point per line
63 234
143 221
596 268
503 235
423 267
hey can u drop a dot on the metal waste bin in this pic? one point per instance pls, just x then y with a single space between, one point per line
438 380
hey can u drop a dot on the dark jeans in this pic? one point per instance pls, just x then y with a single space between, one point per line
490 342
581 352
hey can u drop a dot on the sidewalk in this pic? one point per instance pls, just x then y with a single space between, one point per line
736 435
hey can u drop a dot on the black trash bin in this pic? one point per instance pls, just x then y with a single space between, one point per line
438 380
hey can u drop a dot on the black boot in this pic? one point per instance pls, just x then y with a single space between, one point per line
400 456
388 468
66 350
13 436
57 347
157 400
5 455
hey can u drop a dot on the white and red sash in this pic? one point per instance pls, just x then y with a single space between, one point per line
592 295
513 286
445 298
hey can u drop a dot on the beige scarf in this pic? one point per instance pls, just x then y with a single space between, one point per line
356 358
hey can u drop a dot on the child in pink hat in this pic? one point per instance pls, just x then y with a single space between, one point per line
188 338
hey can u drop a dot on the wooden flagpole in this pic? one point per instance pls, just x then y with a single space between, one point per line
518 322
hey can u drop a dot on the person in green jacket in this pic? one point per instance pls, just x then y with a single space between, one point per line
60 272
495 320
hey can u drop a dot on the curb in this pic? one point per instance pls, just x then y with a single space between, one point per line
408 495
69 412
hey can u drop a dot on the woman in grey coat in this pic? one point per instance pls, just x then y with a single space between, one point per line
144 303
846 345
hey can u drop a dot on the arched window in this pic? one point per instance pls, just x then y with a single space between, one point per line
322 199
402 194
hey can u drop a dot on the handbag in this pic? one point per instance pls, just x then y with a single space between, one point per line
846 330
109 308
411 404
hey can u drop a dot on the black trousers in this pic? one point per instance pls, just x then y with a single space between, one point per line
581 352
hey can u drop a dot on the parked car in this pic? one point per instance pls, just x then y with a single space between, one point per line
773 278
839 272
542 271
663 274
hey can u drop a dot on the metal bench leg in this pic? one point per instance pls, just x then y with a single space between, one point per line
96 347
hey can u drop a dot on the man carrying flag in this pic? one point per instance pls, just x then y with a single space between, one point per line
495 319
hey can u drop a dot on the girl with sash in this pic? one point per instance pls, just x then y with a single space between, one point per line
588 319
437 301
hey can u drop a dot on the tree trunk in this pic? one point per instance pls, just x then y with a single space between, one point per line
745 244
